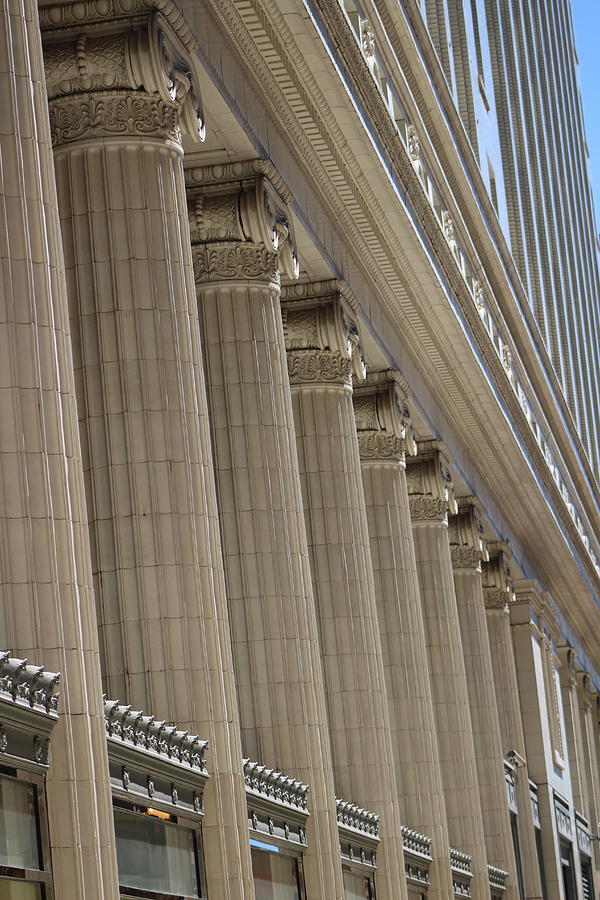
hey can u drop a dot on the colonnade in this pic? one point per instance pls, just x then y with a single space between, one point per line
263 554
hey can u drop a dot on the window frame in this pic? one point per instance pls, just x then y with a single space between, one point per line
40 877
178 820
260 844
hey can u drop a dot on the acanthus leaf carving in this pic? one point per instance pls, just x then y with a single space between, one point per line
429 484
382 417
234 261
314 366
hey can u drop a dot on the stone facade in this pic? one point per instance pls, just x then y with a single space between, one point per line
284 463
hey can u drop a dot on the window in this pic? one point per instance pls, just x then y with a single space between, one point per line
276 876
358 887
568 874
587 883
157 856
21 857
514 828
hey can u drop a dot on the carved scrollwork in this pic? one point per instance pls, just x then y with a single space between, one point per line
107 115
137 81
247 261
467 543
495 574
314 366
382 417
324 326
430 488
246 212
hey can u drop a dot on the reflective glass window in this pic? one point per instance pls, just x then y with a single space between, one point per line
19 842
275 876
157 856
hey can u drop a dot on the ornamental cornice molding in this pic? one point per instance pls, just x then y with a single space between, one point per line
349 815
264 18
31 686
275 787
466 536
495 577
382 417
429 483
127 77
232 218
321 337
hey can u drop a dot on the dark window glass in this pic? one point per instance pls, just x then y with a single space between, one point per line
568 874
154 855
587 882
276 876
19 842
514 827
540 856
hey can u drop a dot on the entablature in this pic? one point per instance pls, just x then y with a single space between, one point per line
28 712
153 762
277 805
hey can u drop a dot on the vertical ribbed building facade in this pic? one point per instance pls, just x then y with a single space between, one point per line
299 453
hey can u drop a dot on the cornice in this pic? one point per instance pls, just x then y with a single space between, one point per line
349 815
26 685
275 787
268 17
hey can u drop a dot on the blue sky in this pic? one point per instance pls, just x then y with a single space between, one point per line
586 22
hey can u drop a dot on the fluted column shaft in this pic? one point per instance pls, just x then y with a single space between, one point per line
531 624
320 360
46 601
498 594
587 698
430 499
384 437
467 552
143 416
272 612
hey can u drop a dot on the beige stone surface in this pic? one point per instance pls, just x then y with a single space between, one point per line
430 491
385 436
468 551
322 352
151 497
46 600
498 595
271 606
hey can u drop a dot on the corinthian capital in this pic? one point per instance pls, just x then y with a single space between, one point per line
465 533
430 488
495 575
131 75
240 223
382 417
321 338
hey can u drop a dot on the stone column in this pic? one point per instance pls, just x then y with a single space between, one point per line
534 631
46 600
468 551
384 437
121 91
498 594
573 736
323 359
242 238
588 697
431 498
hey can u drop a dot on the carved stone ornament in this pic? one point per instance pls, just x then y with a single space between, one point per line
414 145
383 418
429 483
495 576
321 338
3 740
448 227
467 543
240 224
40 750
134 78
